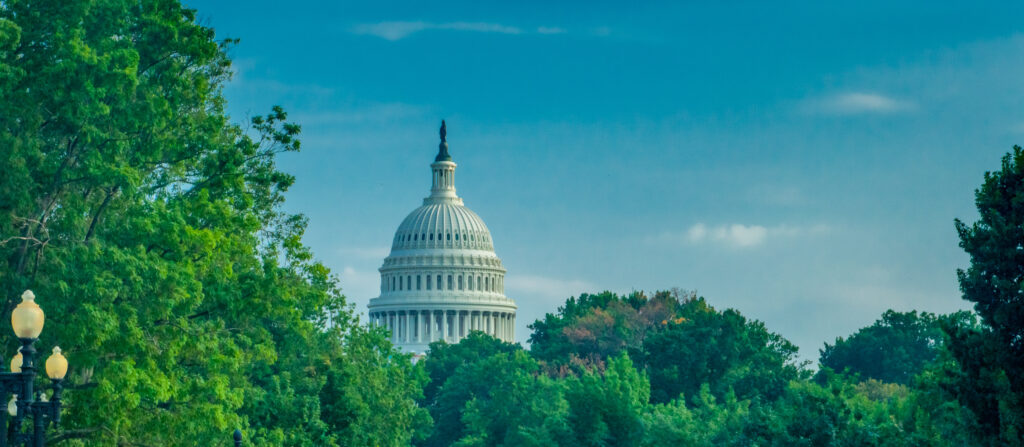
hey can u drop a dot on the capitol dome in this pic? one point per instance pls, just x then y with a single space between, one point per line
442 278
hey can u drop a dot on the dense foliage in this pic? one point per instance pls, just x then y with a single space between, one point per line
696 376
894 349
149 226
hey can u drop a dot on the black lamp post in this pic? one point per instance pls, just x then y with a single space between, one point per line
27 320
238 438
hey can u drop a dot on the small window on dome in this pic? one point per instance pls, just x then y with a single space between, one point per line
414 237
456 236
428 281
449 236
439 236
423 237
431 236
440 286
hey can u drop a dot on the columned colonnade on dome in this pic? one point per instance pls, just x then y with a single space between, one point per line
450 325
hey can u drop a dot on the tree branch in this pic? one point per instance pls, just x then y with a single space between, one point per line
99 212
73 434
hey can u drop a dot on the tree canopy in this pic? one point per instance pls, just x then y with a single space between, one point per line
149 224
893 349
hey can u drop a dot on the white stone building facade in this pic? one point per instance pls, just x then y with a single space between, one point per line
442 278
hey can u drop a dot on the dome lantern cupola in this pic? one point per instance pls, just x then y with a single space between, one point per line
443 168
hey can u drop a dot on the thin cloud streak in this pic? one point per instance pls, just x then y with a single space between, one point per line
857 103
550 30
394 31
737 236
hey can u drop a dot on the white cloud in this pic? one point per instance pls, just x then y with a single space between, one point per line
857 103
737 235
550 30
399 30
547 287
391 30
479 27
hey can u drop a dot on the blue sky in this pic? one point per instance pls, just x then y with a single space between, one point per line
801 162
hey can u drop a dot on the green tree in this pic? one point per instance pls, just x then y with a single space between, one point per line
500 400
930 415
893 349
150 227
594 327
722 349
368 398
992 356
705 422
445 358
606 407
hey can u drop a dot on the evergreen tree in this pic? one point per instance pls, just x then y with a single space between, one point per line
992 356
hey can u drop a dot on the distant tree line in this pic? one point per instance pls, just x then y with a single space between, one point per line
149 224
669 369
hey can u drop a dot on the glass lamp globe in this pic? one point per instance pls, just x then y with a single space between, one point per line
27 319
16 363
12 406
56 365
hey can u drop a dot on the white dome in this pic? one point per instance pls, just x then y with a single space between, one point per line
442 225
442 278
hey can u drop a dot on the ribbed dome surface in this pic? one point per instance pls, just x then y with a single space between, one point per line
442 225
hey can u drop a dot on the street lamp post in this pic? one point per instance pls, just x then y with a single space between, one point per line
27 320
